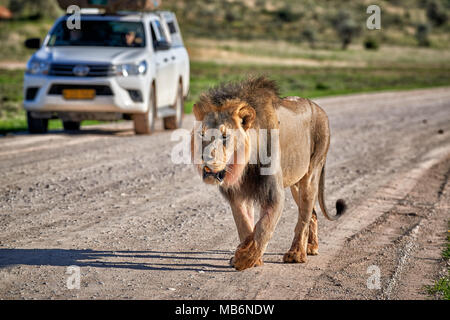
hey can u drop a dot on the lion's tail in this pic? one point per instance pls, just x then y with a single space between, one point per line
341 206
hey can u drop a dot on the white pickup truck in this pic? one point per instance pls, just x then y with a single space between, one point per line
126 65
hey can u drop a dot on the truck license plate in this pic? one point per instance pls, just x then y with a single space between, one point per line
79 94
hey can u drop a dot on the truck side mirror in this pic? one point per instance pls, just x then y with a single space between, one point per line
162 45
33 43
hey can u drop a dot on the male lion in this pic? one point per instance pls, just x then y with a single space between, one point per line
304 137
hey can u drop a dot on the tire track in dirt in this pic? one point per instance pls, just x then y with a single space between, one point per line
390 242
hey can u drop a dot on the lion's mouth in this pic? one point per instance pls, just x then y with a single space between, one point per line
219 176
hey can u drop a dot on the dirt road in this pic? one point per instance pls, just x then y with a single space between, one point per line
140 227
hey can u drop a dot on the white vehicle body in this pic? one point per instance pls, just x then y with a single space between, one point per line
54 69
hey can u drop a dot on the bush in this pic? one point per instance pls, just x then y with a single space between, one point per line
35 9
322 86
371 44
436 13
310 36
347 30
286 14
345 27
422 33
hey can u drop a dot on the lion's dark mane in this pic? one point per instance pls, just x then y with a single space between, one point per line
253 186
261 93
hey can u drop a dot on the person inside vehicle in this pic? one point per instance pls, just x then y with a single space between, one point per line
132 39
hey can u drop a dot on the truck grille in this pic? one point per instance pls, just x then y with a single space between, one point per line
95 70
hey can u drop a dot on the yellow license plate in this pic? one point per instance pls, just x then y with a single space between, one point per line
79 94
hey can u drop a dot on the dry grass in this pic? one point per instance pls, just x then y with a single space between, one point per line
285 53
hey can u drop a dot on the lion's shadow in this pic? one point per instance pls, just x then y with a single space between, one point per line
218 260
138 260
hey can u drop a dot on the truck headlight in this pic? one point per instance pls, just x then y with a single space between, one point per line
36 67
130 69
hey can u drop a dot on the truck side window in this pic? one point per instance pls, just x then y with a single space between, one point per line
162 34
172 27
158 33
154 39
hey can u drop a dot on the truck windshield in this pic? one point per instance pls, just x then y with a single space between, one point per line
99 33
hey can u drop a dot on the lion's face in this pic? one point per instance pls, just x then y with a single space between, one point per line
221 142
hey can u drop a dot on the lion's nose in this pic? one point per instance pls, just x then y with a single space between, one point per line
207 169
218 175
212 168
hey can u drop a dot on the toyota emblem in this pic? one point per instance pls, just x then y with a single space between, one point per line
81 71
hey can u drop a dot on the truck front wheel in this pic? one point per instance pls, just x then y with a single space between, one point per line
174 122
36 125
144 123
71 125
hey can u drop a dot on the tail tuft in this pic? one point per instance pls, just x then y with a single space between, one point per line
341 207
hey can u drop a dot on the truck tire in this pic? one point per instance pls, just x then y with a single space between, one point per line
144 123
71 125
174 122
36 125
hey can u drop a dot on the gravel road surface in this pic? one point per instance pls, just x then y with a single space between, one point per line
140 227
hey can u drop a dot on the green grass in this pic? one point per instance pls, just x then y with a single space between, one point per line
14 33
386 55
19 124
313 82
12 115
288 19
441 288
308 82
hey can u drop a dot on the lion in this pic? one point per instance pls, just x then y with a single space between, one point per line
302 128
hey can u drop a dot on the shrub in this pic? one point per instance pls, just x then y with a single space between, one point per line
371 43
310 36
322 86
436 13
422 33
35 9
286 14
346 28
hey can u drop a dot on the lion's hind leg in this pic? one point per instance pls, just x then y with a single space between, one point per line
313 239
305 193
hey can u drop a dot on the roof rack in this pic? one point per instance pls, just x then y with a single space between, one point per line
91 11
95 11
113 6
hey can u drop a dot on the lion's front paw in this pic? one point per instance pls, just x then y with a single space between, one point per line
312 250
294 257
258 263
242 262
246 255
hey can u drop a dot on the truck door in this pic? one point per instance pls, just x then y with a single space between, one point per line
179 51
165 68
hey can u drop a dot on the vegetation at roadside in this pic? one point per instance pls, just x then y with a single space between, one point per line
301 81
441 288
31 19
319 24
12 115
412 49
